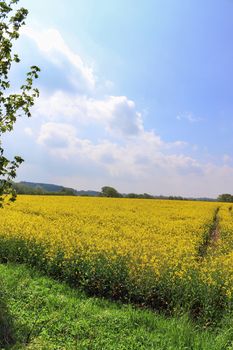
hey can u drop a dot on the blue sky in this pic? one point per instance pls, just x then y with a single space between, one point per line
134 94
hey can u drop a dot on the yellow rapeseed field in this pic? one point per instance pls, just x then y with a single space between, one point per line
149 232
145 250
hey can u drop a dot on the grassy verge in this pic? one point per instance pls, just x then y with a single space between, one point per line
6 324
51 315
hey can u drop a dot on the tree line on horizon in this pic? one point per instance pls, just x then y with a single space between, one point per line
31 188
226 197
106 191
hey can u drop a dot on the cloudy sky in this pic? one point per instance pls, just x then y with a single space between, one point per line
133 94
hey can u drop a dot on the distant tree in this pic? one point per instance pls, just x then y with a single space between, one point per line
147 196
39 190
132 195
139 195
21 189
67 192
108 191
12 105
225 197
175 198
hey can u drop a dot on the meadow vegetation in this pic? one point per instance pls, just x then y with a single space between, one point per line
49 315
6 323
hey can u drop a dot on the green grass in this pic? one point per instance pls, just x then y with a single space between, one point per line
6 325
50 315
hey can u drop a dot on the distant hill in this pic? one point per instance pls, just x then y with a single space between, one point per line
46 187
25 187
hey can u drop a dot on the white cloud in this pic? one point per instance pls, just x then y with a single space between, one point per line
188 116
226 159
117 114
51 43
56 136
137 156
28 131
